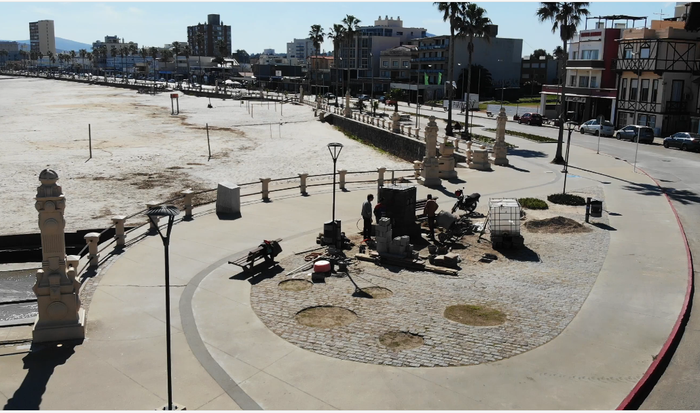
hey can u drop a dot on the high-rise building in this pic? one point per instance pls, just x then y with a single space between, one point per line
300 49
214 34
41 37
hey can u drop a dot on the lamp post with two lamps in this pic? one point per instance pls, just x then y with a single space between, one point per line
570 126
153 213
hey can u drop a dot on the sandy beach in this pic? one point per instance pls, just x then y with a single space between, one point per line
141 153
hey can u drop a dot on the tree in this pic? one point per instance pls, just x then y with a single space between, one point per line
316 35
395 95
82 53
144 54
177 50
352 26
472 23
481 81
241 56
539 53
187 52
72 55
153 53
337 32
90 58
52 59
451 12
565 17
4 54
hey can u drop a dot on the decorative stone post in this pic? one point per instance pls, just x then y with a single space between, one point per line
417 166
60 316
383 123
341 178
380 177
73 261
500 149
92 238
302 183
402 129
189 194
395 117
119 234
151 226
409 131
431 165
348 110
469 152
480 159
447 161
265 188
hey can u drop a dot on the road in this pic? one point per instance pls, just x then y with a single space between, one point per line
677 172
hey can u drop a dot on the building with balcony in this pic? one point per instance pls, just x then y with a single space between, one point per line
659 69
215 35
538 71
41 37
300 49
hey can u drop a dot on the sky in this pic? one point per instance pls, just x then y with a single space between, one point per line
270 25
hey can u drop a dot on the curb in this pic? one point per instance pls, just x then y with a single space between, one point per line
644 386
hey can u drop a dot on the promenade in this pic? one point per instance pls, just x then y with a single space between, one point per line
224 357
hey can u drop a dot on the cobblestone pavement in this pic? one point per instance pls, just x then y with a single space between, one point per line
540 292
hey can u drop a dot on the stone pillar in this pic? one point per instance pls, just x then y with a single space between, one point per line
341 178
469 152
348 110
60 316
395 117
322 116
380 177
92 238
500 149
119 234
302 183
73 261
480 160
446 162
431 165
402 129
409 131
383 123
265 188
228 199
417 165
151 226
189 194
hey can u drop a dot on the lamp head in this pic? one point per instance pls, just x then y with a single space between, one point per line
334 148
163 211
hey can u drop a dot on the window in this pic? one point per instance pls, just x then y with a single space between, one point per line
654 90
526 65
633 89
644 95
594 81
526 75
573 80
573 57
642 120
405 63
623 89
677 91
402 74
589 54
628 52
395 63
583 81
644 52
385 63
652 121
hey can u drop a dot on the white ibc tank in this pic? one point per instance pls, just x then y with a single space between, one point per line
504 216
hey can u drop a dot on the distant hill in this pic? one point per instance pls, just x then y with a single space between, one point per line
63 45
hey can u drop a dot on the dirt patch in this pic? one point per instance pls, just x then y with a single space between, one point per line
378 292
556 225
474 315
325 317
399 340
295 285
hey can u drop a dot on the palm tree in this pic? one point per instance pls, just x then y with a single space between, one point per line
90 57
472 23
72 60
52 59
187 52
451 11
565 17
337 32
316 35
144 54
199 38
40 55
4 54
352 26
153 52
82 53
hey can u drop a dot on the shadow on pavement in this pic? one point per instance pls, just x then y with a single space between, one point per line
518 169
683 196
520 254
258 273
526 153
40 364
603 226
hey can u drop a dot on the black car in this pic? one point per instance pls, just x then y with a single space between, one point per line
531 119
683 140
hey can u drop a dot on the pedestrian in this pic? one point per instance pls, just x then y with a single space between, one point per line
367 216
429 210
379 210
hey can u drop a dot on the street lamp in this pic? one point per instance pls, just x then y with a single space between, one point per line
371 94
334 148
169 211
638 65
570 126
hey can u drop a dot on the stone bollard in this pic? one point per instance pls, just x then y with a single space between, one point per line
92 238
119 235
409 131
151 226
265 188
383 122
73 261
189 194
402 129
341 178
380 177
417 166
302 183
456 143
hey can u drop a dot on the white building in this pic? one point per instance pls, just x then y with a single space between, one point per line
300 49
41 37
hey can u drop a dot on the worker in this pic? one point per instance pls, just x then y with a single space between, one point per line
429 210
379 210
367 216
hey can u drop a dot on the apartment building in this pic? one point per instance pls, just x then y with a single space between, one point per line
536 71
300 49
214 33
41 37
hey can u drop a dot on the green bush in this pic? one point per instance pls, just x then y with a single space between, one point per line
566 199
524 135
533 203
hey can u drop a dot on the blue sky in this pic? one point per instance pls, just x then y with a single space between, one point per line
259 25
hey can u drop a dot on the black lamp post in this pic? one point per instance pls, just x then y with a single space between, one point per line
334 148
570 126
169 211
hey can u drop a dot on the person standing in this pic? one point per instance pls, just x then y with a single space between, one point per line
367 216
429 210
379 210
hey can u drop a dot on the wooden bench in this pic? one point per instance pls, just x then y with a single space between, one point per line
248 261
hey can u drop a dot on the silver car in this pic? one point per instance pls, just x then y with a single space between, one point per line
634 133
594 127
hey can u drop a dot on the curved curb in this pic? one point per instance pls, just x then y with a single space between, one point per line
644 386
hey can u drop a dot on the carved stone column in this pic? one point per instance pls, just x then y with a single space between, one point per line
341 178
151 226
119 233
431 165
348 109
500 149
60 316
395 117
92 239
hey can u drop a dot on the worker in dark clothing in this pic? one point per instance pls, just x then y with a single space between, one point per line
379 210
429 210
367 216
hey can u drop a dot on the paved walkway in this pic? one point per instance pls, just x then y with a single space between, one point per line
225 358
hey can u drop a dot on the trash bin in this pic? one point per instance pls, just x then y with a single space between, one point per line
596 208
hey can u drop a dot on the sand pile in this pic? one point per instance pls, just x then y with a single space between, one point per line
558 225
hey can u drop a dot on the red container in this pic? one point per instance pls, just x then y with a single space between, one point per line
322 266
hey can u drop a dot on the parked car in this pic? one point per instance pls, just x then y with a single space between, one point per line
644 134
389 102
531 118
382 98
362 97
594 127
329 95
683 140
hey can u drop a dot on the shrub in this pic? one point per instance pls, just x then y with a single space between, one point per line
533 203
566 199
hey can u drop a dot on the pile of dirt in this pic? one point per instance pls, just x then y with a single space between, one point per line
556 225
